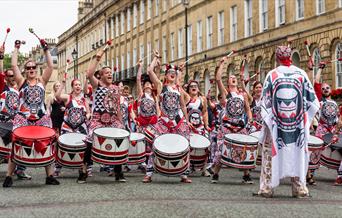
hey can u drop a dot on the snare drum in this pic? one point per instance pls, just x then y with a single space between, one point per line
239 151
70 150
137 149
315 149
331 156
198 150
171 153
5 150
34 146
5 146
151 133
110 146
259 157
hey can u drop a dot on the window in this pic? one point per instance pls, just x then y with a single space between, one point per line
172 44
299 9
112 26
135 56
117 62
142 11
164 49
233 23
149 9
141 56
248 18
295 59
156 9
316 59
209 32
180 43
128 19
340 4
135 13
280 12
263 8
338 65
122 62
220 29
164 5
246 73
156 44
199 36
122 30
149 52
320 6
128 60
117 26
189 43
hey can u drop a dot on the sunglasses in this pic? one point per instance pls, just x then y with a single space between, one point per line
325 88
31 67
193 86
10 75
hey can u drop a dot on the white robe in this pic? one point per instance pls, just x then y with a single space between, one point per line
288 106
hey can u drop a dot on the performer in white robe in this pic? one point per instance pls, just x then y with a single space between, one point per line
288 106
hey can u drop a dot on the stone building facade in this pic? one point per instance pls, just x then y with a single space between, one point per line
252 27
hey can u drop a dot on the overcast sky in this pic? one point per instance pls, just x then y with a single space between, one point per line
48 18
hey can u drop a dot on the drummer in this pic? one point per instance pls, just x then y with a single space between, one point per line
197 110
103 108
173 118
328 114
32 111
76 112
9 105
338 181
233 117
255 107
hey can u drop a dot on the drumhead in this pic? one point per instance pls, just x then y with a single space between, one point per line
136 136
109 132
171 143
315 141
199 141
72 139
242 139
255 134
34 132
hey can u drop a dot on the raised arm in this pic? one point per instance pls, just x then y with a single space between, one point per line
49 69
247 107
2 56
219 82
59 96
205 113
17 74
139 88
179 83
92 68
153 77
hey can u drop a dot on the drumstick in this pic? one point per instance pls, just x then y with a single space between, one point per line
289 44
32 31
307 47
188 60
7 31
66 69
231 53
108 43
335 60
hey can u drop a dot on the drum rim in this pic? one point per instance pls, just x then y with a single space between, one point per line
233 140
72 145
110 137
201 137
34 139
137 133
187 141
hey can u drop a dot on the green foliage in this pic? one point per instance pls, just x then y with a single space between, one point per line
7 61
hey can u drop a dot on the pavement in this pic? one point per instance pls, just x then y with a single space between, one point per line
101 196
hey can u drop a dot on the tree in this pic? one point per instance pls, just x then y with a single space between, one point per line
7 60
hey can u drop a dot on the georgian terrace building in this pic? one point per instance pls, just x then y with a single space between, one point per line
214 27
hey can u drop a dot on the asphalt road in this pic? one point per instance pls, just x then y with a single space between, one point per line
101 196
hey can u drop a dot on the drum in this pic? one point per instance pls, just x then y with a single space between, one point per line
239 151
332 155
171 154
110 146
137 149
151 133
198 150
315 149
5 150
5 132
70 150
34 146
259 157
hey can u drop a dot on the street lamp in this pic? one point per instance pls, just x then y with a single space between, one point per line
186 5
74 57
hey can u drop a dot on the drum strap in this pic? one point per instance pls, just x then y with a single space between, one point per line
169 126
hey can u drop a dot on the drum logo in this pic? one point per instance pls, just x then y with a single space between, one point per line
195 117
75 116
235 107
110 101
170 104
329 112
12 102
34 95
108 147
238 154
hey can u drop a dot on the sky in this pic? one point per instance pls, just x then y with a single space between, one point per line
48 18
